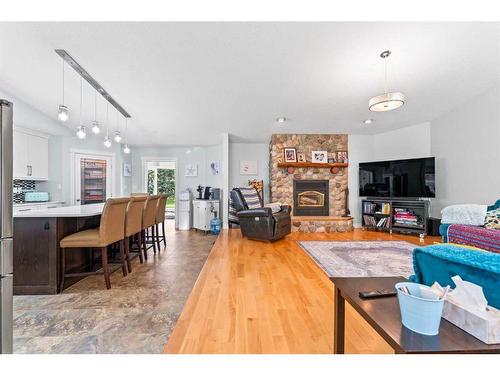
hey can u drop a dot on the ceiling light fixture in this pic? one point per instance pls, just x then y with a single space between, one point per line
63 113
388 100
281 120
368 121
96 129
118 136
80 131
107 139
126 147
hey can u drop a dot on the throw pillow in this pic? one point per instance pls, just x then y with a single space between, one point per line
492 220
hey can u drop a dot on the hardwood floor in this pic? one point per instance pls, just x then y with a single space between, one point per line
255 297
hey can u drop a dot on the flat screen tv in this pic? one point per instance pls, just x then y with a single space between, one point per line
409 178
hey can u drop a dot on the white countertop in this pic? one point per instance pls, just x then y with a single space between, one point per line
68 211
36 203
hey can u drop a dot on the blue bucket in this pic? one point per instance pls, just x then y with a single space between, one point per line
421 310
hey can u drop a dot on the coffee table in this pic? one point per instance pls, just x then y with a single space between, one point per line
383 315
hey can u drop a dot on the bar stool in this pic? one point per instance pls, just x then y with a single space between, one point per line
160 219
111 230
133 226
148 221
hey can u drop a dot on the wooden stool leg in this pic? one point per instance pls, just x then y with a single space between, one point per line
144 238
139 244
157 228
127 253
163 232
153 238
123 259
63 266
105 267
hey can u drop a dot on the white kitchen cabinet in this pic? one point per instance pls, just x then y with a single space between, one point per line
203 212
31 156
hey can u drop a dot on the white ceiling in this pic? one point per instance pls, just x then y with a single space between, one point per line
185 83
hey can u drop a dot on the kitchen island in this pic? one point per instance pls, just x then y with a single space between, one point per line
37 234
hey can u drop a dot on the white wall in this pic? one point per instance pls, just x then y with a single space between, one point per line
360 148
244 152
466 143
405 143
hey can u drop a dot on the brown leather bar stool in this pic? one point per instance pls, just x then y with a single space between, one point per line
133 226
111 230
160 219
148 221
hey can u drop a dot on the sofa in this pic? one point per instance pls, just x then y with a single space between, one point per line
258 222
476 236
441 262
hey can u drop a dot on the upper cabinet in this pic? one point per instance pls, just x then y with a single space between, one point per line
31 156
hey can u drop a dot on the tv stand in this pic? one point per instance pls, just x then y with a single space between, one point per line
408 216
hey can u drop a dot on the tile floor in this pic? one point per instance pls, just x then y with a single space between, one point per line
136 315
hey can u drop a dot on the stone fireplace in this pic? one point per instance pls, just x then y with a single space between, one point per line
310 198
317 195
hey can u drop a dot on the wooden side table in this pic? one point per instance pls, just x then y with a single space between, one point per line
383 315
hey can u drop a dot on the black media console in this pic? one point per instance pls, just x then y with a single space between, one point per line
394 214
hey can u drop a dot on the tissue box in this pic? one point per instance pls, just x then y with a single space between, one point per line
483 325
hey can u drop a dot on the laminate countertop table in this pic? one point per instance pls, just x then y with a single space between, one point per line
37 234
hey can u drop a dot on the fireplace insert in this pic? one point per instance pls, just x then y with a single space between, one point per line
310 198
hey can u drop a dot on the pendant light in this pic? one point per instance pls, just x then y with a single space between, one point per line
107 139
81 132
118 136
96 129
388 100
63 112
126 147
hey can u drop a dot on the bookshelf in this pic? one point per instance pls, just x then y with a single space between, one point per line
395 215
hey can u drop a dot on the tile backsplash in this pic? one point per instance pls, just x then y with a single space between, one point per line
20 187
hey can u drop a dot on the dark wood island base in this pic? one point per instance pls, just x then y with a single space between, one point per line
37 252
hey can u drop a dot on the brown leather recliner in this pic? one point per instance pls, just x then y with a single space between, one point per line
261 223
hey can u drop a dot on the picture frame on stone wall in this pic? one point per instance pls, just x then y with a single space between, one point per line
342 157
319 157
290 154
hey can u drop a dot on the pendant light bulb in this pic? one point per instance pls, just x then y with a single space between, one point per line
81 133
63 113
126 149
117 137
107 141
96 129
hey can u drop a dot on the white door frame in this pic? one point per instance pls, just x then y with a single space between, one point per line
90 153
144 161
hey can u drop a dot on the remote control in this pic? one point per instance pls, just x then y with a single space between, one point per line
377 294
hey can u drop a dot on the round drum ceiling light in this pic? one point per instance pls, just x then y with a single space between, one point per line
389 100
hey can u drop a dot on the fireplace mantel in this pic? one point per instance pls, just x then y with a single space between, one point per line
334 167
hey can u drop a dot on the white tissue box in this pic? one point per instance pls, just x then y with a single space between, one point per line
483 325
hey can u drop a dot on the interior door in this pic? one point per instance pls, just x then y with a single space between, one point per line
93 179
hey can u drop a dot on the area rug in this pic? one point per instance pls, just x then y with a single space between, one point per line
361 258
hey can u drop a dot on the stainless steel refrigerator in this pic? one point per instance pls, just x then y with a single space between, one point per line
6 256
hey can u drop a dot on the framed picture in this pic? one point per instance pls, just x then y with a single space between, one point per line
331 160
191 170
290 155
215 168
301 157
248 167
342 157
127 170
320 157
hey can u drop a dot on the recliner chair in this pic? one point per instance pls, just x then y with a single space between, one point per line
261 223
